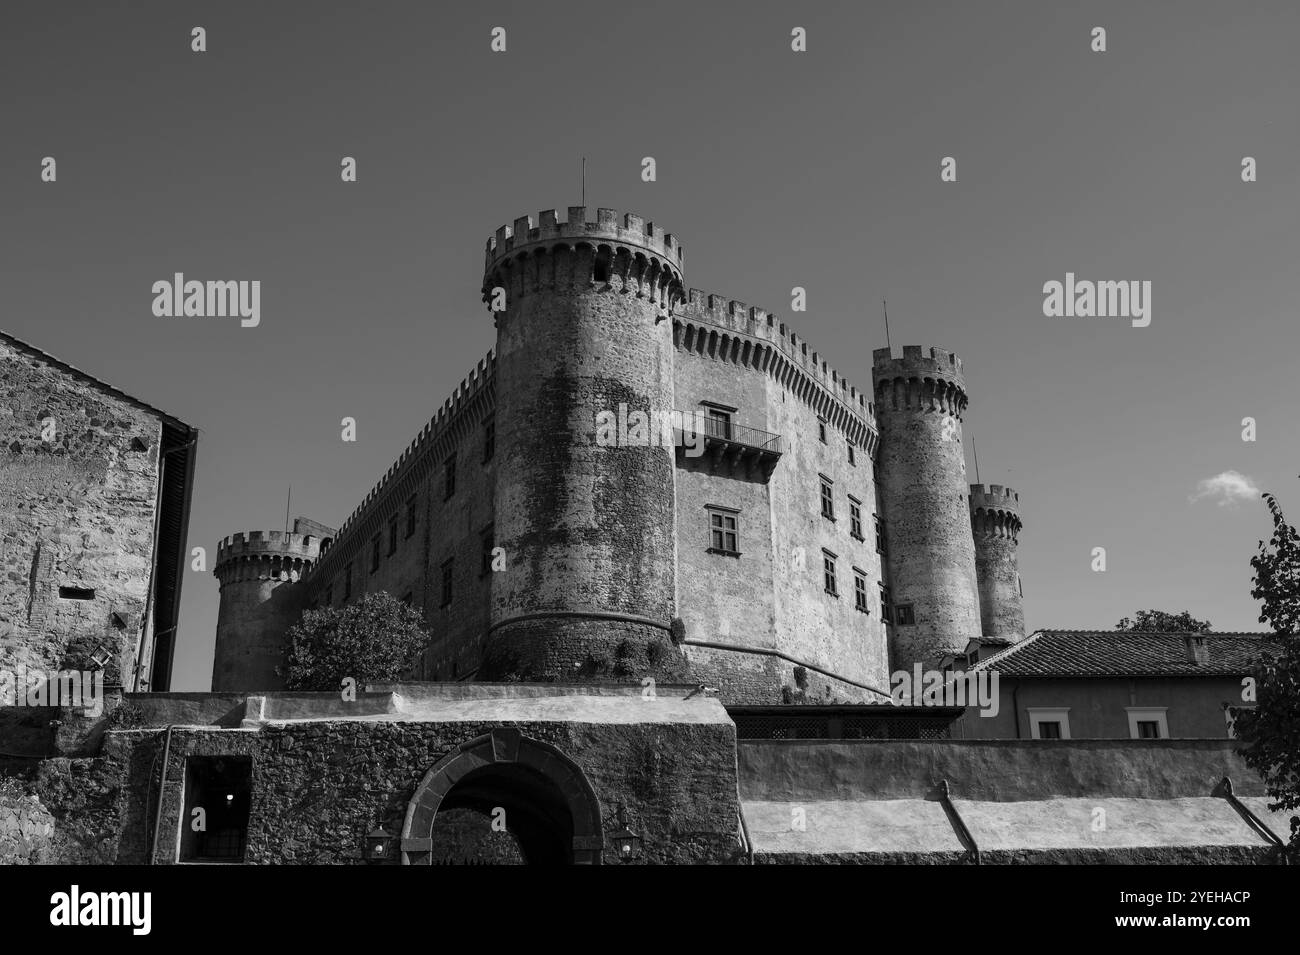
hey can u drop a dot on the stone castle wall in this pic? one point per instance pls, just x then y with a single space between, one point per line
77 511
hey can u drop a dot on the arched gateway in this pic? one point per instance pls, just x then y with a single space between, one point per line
550 806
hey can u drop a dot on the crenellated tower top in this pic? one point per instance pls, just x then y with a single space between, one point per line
923 379
617 252
995 511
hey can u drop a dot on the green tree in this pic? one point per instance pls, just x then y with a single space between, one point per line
375 639
1270 730
1162 621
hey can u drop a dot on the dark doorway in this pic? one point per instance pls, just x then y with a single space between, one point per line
221 786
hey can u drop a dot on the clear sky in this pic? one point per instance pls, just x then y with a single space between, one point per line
776 169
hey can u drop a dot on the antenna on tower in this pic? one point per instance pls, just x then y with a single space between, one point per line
584 180
885 306
287 499
975 451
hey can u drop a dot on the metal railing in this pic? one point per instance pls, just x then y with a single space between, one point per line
730 431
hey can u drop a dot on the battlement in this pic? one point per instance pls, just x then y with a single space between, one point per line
995 496
918 361
924 379
627 229
269 544
718 310
994 511
469 389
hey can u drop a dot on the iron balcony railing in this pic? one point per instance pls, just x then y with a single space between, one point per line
732 432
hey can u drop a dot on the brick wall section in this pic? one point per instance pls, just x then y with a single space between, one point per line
74 511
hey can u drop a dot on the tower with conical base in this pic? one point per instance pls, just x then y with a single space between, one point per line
930 553
587 529
995 525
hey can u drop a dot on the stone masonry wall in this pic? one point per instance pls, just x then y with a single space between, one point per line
75 511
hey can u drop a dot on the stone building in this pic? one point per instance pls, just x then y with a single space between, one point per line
94 508
747 518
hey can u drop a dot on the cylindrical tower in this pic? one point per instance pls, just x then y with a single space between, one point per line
995 524
930 553
259 603
585 517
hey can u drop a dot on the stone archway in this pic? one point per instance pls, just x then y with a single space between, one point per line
550 806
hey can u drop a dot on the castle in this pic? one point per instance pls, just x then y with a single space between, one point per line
824 536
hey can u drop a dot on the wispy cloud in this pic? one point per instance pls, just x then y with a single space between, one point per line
1227 489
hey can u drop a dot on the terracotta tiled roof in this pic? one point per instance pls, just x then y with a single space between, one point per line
1128 653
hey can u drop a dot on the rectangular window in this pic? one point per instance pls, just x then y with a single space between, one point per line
880 534
446 583
374 554
392 536
904 615
486 566
77 593
853 457
1147 722
489 439
855 518
860 591
828 501
449 478
1049 722
828 573
410 515
821 430
724 535
719 423
884 604
347 582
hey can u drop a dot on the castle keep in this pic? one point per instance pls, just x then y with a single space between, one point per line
818 537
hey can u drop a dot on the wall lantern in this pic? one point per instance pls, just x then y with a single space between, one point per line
379 846
626 842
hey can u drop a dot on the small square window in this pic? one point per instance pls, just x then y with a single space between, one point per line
1049 722
723 533
1147 722
1049 729
904 615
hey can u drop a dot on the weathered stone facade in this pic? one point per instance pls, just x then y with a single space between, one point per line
94 503
607 566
